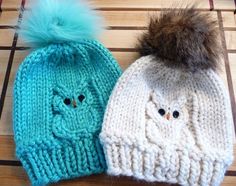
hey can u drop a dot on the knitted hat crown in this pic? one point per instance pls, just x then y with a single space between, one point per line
60 93
169 118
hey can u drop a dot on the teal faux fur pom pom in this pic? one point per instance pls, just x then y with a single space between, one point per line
58 21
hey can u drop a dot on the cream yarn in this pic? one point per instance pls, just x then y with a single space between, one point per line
194 148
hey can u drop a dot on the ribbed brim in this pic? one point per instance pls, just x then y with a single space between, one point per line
164 165
65 161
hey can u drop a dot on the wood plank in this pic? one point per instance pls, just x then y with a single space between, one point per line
126 18
133 18
147 4
229 181
222 72
230 38
4 55
11 4
233 166
11 175
202 4
9 18
6 36
224 5
18 58
7 148
16 176
105 180
111 38
112 18
6 119
232 62
125 59
126 27
228 19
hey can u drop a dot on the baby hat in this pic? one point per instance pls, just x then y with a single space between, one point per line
169 118
60 93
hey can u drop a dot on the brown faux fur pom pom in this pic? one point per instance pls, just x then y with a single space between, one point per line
184 38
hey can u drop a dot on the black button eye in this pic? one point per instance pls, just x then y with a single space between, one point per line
175 114
81 97
67 101
161 112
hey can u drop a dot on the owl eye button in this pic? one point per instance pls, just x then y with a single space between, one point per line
161 112
67 101
175 114
81 97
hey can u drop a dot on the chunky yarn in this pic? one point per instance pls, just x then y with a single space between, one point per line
60 94
165 125
169 117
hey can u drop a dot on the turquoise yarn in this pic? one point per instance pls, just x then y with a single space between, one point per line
60 95
61 91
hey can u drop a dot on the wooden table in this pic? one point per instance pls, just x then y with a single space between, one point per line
125 19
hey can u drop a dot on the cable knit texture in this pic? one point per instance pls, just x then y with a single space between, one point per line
163 124
60 94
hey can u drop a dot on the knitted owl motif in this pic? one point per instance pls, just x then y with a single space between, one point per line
166 121
75 111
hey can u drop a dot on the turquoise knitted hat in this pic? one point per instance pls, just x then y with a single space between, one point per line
60 93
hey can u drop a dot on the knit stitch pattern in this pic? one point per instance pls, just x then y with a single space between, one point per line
60 94
165 125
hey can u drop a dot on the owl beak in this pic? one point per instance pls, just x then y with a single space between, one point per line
74 103
167 116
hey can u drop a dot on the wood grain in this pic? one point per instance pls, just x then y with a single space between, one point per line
109 4
18 177
224 5
11 4
6 36
148 4
9 18
126 18
139 4
18 58
230 37
125 21
232 62
110 38
7 148
127 39
4 55
228 19
6 119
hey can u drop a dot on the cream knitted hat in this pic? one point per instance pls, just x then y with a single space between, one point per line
168 118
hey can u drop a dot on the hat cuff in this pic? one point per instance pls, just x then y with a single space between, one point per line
163 165
61 161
